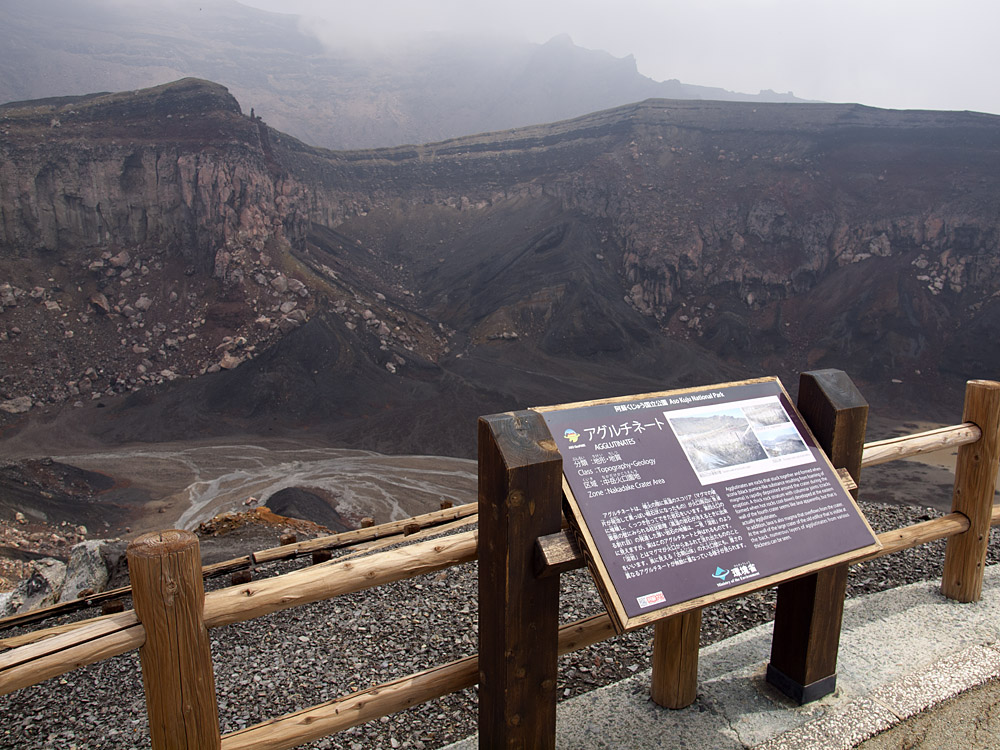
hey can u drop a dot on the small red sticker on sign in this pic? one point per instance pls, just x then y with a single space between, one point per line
650 599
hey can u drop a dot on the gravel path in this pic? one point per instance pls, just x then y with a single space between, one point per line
294 659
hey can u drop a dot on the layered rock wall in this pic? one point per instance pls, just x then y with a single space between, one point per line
189 175
777 236
759 201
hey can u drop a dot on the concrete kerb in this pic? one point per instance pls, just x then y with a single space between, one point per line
902 651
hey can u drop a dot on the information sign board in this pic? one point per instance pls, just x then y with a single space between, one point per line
687 497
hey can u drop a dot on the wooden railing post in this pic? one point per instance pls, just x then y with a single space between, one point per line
810 610
975 483
165 570
675 660
520 499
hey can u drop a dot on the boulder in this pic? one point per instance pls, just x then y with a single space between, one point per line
287 324
40 589
100 303
229 361
86 570
121 260
8 295
17 405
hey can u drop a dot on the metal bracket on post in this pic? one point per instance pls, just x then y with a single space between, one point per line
810 610
520 499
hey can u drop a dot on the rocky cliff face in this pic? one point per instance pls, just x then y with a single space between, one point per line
654 245
128 225
698 192
831 231
177 167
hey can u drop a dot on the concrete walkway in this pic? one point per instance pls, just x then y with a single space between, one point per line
905 655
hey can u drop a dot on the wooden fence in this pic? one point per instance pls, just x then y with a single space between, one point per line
522 549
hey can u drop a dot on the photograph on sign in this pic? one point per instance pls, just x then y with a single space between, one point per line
738 440
686 497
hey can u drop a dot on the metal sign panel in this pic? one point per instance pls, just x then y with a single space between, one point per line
687 497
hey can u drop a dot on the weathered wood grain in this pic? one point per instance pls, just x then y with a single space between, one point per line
975 484
176 658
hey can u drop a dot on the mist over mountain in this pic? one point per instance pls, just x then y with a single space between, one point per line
338 96
232 279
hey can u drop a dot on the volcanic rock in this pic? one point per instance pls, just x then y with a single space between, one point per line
230 361
17 405
121 260
86 570
40 589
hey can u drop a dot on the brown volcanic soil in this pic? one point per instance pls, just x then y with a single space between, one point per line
49 491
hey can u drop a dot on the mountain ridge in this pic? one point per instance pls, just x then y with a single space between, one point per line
655 245
334 95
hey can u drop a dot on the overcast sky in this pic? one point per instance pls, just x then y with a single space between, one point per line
886 53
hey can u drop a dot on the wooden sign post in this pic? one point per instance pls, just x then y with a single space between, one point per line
810 610
520 496
678 499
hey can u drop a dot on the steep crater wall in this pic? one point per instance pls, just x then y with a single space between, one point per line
177 167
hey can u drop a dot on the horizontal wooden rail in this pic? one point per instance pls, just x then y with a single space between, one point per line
883 451
107 637
339 714
94 629
371 533
921 533
31 664
368 548
350 538
62 608
33 636
330 579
